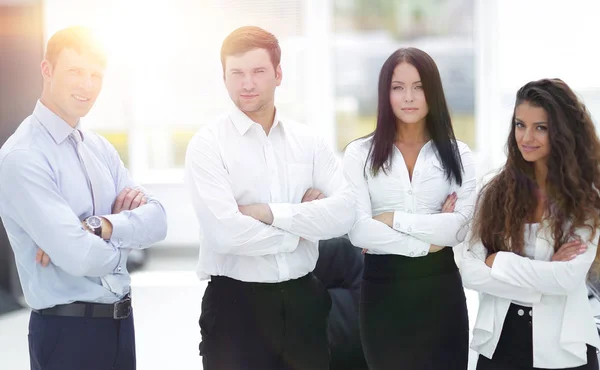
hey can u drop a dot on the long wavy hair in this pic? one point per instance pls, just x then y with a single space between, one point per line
509 200
438 123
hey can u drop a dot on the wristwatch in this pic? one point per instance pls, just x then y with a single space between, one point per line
95 224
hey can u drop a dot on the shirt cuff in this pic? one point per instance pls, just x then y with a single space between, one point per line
418 248
282 215
290 242
403 222
498 272
122 230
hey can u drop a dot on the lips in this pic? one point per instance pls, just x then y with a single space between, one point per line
80 98
529 148
248 96
409 110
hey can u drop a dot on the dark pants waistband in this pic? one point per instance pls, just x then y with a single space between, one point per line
118 310
227 281
396 267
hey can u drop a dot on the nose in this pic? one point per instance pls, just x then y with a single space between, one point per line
248 82
528 135
409 96
86 81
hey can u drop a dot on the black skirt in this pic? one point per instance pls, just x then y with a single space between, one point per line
413 313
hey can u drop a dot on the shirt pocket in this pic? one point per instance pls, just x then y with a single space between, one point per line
300 179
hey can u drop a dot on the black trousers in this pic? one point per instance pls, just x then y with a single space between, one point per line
413 313
515 348
76 343
265 326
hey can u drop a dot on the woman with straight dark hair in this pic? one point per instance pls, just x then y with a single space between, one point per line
535 236
415 189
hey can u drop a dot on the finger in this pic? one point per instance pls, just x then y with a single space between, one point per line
137 201
118 206
321 196
144 201
45 260
38 255
364 251
306 195
129 198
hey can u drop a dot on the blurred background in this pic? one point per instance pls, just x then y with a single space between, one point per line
164 81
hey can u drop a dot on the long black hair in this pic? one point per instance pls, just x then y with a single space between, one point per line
438 123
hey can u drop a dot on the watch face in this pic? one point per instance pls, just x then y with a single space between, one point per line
94 222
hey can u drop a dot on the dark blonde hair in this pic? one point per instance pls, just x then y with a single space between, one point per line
78 38
249 38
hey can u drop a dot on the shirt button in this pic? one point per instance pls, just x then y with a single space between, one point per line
410 192
410 211
416 173
397 225
120 241
423 253
530 313
521 312
119 269
409 229
412 254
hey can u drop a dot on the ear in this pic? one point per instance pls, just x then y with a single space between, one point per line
278 75
47 70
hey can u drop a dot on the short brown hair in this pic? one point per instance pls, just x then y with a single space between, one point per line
78 38
249 38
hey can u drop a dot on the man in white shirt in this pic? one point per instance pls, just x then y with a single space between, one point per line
265 190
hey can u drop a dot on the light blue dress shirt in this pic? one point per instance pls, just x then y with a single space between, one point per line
44 196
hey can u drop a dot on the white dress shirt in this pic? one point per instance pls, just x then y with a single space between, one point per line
563 322
416 204
233 162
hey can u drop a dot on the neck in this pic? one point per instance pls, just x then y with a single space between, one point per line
411 133
54 108
263 117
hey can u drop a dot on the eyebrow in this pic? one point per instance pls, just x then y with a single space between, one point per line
535 123
402 83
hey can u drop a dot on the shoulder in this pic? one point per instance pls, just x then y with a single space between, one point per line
359 147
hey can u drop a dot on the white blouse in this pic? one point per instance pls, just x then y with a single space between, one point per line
416 204
563 322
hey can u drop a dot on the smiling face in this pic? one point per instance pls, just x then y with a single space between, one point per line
531 132
407 96
72 84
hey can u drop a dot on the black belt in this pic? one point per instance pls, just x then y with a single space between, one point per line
118 310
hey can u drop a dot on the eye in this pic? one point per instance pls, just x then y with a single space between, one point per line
541 128
397 87
419 87
519 124
260 71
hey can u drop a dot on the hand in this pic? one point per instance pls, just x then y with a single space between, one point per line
490 260
386 217
569 251
449 203
42 258
261 212
435 248
312 194
128 200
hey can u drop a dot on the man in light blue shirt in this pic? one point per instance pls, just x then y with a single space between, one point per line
72 214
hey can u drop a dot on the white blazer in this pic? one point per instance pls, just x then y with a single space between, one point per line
563 322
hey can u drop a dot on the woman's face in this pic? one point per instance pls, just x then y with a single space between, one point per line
531 132
407 96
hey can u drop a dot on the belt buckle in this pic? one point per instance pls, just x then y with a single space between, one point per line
122 308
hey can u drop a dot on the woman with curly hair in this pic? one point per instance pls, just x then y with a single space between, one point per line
534 236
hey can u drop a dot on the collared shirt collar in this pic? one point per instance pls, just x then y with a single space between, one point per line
243 123
56 126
